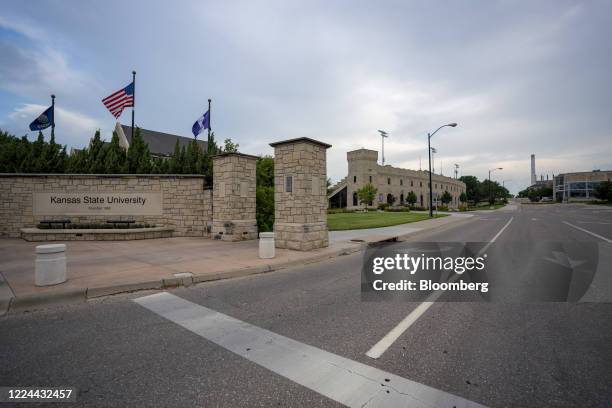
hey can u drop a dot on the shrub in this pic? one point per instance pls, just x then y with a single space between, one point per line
383 206
443 208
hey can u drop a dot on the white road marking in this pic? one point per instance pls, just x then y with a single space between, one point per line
588 232
379 348
594 222
346 381
534 219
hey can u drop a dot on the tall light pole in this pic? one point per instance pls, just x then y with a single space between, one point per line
429 136
383 135
497 168
433 158
456 170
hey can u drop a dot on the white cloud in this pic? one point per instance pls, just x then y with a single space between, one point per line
71 128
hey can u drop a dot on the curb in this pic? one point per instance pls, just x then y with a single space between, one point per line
41 301
70 296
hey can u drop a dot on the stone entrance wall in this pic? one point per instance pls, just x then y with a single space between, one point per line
185 207
234 196
300 196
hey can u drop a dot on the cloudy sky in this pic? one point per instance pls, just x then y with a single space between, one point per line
519 77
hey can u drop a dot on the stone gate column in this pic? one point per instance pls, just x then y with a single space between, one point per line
234 197
300 196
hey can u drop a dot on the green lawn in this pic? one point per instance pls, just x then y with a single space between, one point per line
485 206
372 219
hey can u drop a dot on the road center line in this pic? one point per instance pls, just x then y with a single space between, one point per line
346 381
379 348
588 232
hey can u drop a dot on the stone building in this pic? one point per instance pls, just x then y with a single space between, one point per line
393 184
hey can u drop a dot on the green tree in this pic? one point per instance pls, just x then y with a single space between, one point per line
175 165
138 155
265 171
463 197
265 193
411 198
114 161
472 188
366 194
446 198
96 155
603 191
230 147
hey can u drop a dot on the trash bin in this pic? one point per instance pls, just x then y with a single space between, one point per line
50 264
266 245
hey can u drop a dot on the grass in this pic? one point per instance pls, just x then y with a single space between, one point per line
372 219
485 206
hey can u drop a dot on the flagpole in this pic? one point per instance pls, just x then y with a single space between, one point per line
209 121
53 116
134 98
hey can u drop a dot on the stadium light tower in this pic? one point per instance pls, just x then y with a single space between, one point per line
383 135
429 136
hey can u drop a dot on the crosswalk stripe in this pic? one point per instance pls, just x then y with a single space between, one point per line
343 380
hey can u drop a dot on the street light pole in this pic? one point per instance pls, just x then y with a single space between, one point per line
429 136
383 135
497 168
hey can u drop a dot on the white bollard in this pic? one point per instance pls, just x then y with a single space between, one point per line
50 264
266 245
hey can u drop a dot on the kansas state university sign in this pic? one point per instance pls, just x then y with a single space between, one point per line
97 203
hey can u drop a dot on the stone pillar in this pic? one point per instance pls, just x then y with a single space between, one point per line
234 197
300 196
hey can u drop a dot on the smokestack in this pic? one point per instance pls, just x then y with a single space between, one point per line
533 173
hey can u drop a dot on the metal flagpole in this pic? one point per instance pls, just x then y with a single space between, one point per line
209 100
134 99
53 119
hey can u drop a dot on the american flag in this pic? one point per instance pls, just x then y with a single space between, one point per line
119 100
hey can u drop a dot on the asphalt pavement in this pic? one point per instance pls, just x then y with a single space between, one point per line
186 348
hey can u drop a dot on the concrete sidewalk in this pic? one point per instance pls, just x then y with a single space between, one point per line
101 268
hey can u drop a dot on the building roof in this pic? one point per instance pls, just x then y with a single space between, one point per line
161 144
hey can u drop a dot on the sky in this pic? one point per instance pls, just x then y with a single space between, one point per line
518 77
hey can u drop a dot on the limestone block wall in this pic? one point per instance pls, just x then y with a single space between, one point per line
234 197
363 168
186 205
300 196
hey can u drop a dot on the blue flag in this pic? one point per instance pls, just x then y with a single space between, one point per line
44 120
201 123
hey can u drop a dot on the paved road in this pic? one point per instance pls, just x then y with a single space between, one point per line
176 350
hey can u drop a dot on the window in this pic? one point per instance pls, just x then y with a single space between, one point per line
289 184
436 186
388 180
401 182
370 179
411 183
355 199
354 179
420 184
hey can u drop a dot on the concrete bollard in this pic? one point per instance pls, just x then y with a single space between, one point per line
50 264
266 245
